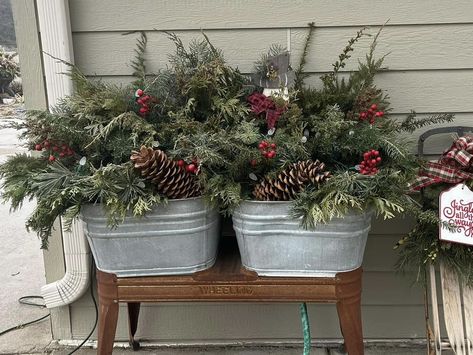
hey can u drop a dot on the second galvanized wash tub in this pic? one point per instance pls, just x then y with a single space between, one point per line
272 243
180 237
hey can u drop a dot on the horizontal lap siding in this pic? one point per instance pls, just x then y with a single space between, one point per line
429 69
410 48
113 15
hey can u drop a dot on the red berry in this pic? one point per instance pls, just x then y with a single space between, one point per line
139 92
273 145
146 98
143 110
38 147
363 115
181 163
265 144
46 144
253 162
56 148
191 168
378 159
374 107
52 158
271 154
62 155
379 114
140 101
261 146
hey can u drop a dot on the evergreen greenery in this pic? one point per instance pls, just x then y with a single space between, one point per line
197 112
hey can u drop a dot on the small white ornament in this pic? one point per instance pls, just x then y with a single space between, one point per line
141 184
271 131
351 133
456 209
82 161
304 139
253 177
306 133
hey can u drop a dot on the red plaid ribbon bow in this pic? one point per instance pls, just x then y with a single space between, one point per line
262 104
453 166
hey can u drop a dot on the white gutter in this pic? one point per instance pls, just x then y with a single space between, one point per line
56 42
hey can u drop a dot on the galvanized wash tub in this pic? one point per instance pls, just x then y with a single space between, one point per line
180 237
272 243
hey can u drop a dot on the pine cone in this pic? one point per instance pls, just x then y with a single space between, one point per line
170 179
291 181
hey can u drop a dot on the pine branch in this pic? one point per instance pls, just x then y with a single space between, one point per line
412 122
138 63
330 79
300 73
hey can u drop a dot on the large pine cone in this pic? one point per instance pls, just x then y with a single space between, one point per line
170 179
291 181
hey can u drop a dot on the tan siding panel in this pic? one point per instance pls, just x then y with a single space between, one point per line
200 323
111 15
409 47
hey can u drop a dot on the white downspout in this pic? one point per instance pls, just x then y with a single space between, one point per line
76 280
56 41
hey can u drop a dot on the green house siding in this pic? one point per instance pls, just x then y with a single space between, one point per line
429 69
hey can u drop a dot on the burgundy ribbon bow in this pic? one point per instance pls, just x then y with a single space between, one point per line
453 166
262 104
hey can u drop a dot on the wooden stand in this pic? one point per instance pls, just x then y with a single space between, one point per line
228 281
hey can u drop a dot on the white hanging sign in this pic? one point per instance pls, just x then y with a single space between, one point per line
456 209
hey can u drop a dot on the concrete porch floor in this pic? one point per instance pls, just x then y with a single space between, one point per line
22 273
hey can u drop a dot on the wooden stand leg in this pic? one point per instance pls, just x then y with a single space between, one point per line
349 313
108 317
133 314
108 312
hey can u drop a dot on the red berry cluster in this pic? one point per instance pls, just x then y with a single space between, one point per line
55 150
267 150
191 168
371 114
371 160
143 101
